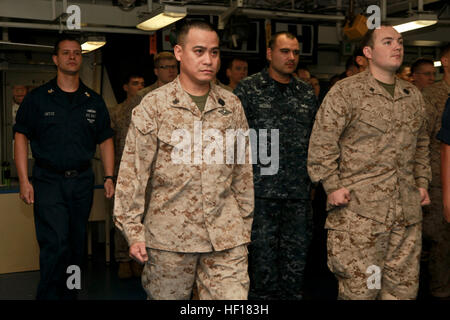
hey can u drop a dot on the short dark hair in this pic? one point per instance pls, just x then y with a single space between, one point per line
367 39
230 63
302 66
420 62
350 62
274 37
192 24
132 75
402 68
64 37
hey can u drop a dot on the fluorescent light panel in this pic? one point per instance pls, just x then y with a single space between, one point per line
437 63
92 45
163 17
415 22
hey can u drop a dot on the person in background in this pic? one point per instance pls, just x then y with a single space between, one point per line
64 120
436 230
423 73
236 71
120 120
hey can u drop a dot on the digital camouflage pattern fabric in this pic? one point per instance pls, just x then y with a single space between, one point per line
194 207
292 112
282 227
376 146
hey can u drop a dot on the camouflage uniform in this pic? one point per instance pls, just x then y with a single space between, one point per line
282 228
436 231
141 93
194 208
120 120
376 146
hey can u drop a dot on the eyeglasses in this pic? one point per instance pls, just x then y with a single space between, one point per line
169 67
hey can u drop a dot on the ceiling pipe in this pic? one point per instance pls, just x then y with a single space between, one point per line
383 10
55 27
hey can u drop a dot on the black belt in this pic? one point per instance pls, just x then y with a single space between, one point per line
67 173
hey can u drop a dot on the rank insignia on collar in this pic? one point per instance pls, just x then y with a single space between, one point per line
224 112
87 94
50 91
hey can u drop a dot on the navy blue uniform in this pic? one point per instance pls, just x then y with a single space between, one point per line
282 223
444 134
63 129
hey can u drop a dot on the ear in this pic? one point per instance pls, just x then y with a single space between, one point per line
55 59
228 73
125 87
178 51
156 71
269 54
367 52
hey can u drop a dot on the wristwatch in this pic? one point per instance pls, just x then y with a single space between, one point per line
108 177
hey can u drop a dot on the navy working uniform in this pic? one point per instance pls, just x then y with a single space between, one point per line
63 129
282 225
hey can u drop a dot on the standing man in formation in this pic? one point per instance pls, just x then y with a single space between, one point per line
198 222
236 71
64 120
274 99
423 73
436 229
120 120
369 148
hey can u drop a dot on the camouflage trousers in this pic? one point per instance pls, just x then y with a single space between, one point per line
218 275
372 260
281 235
436 233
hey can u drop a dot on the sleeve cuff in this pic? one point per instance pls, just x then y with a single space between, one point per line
132 239
422 183
109 133
444 135
331 184
21 129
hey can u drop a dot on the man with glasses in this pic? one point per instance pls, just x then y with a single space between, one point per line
423 73
435 229
166 70
274 99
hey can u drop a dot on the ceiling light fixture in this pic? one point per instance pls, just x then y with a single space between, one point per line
162 17
92 43
416 21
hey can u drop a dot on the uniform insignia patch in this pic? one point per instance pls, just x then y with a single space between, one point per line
224 112
50 91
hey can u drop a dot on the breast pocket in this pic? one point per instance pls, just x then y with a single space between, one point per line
50 126
372 122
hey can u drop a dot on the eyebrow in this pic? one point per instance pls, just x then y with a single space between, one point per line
202 47
391 38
